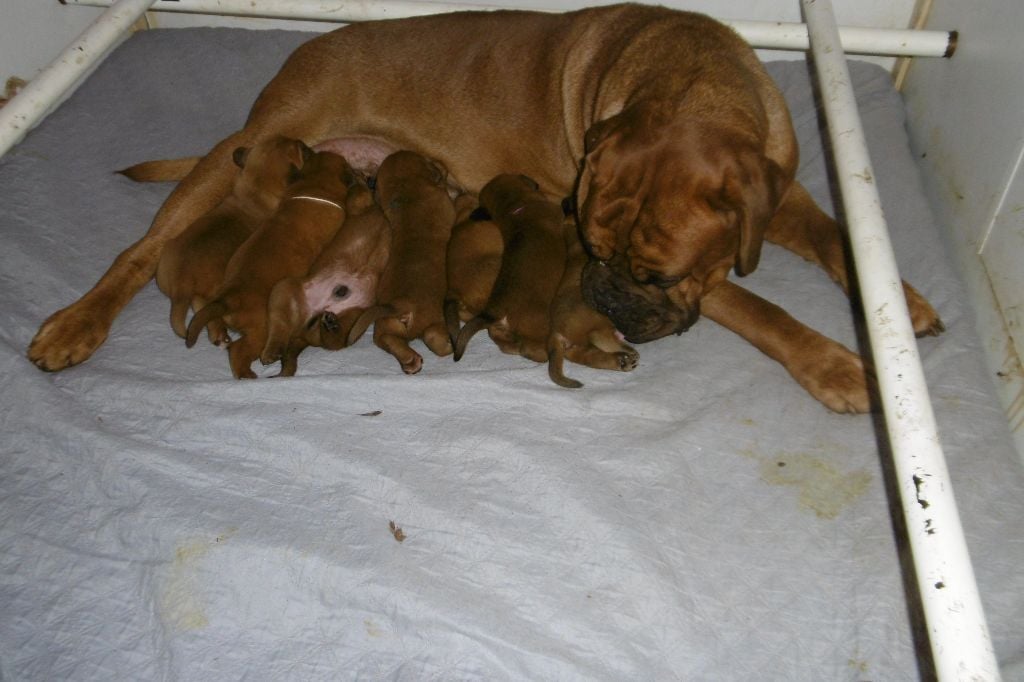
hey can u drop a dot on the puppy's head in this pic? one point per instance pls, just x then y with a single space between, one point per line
675 205
404 170
507 194
267 168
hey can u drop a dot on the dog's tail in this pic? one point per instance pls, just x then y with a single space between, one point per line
210 311
365 319
179 311
481 321
451 318
556 360
161 170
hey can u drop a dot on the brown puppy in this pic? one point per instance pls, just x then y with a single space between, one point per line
578 332
310 213
412 192
312 311
689 156
517 314
472 264
192 264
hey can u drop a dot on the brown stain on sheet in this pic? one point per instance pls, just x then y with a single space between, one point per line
822 488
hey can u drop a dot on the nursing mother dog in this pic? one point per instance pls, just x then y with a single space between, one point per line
677 144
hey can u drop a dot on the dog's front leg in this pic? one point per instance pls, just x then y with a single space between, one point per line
827 369
72 334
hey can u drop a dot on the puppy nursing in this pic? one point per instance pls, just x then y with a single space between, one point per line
517 312
310 213
192 265
412 192
320 309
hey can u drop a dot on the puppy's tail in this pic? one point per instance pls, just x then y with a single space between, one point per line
451 318
210 311
161 170
365 319
556 360
179 311
479 322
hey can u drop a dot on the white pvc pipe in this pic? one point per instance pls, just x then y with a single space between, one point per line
760 34
959 637
62 75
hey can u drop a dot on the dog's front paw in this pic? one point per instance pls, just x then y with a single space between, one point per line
836 377
412 364
924 318
68 337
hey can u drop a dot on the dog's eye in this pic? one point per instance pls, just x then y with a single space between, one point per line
340 291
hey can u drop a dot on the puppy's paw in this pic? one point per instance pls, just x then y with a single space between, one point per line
413 364
628 360
836 377
68 337
924 318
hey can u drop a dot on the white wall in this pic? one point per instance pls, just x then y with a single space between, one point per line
967 124
32 32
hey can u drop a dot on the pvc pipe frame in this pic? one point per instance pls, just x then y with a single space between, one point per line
61 77
958 634
957 631
761 34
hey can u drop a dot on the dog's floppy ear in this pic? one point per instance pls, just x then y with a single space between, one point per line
608 190
753 195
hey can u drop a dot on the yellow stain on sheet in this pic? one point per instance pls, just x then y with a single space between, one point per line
371 628
822 488
181 603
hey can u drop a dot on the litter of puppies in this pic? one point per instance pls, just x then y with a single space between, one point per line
308 251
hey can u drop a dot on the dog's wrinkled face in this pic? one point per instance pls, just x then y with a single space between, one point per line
669 208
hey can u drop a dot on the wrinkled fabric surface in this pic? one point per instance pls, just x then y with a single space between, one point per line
699 518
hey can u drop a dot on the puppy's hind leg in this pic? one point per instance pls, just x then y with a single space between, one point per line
437 338
389 335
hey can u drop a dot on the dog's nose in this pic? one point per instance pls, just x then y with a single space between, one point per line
329 322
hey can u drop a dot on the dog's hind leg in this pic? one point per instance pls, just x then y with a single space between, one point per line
72 334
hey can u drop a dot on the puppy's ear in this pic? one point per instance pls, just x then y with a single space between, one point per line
299 154
608 192
569 206
754 196
239 156
440 171
530 182
479 214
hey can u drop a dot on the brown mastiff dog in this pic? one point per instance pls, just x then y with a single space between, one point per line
680 145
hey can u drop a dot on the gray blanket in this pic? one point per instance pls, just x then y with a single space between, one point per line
701 518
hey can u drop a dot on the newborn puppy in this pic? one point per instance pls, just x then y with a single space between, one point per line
310 213
411 191
578 332
472 264
192 265
317 309
517 314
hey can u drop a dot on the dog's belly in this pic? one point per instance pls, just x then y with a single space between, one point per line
363 153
